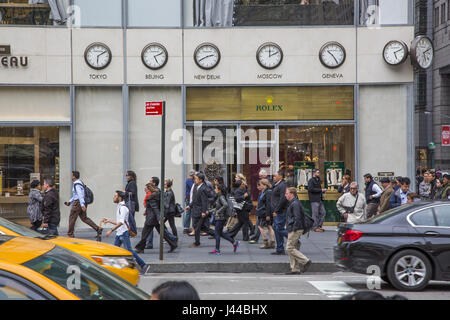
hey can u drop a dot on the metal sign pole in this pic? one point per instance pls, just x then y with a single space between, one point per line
163 164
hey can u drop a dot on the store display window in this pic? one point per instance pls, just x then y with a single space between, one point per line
26 154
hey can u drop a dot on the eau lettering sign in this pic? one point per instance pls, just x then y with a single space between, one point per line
154 108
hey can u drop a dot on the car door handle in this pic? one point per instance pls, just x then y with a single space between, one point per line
432 233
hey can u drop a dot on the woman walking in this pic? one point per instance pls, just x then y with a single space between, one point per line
219 211
34 205
170 206
152 217
250 226
241 196
265 214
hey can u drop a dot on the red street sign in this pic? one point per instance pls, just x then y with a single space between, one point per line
446 135
153 108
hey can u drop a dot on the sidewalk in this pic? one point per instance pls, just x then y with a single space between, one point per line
249 258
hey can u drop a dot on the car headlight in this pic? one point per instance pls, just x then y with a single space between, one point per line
115 262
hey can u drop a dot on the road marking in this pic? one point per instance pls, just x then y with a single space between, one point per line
333 289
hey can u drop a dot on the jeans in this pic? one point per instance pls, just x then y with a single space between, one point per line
242 223
125 239
187 218
318 214
279 226
218 233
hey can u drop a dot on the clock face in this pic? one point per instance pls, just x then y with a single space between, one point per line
422 52
98 56
154 56
332 55
395 52
269 55
207 56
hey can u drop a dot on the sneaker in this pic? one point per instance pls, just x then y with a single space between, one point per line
215 252
236 245
194 245
146 269
253 242
172 249
278 253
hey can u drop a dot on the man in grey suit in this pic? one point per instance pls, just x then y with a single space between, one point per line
198 206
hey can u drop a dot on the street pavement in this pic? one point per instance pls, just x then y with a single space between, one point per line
280 287
249 257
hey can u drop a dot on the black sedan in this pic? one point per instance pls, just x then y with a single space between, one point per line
408 245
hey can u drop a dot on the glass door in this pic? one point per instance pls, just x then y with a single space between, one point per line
257 150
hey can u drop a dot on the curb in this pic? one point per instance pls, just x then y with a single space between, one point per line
244 267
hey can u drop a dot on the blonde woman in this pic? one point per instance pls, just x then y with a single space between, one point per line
265 214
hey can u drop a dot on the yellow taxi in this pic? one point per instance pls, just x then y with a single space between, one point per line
115 259
33 269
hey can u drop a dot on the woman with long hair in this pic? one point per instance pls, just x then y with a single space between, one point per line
345 184
219 211
265 214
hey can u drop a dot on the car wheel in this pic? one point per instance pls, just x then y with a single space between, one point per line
409 270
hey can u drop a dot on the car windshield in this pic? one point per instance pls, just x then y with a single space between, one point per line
389 213
83 278
21 230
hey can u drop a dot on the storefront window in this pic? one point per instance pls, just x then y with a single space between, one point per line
328 148
384 12
212 150
331 149
26 154
34 12
154 13
99 13
228 13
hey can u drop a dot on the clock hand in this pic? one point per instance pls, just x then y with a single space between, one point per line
333 56
395 54
211 55
159 54
273 54
154 57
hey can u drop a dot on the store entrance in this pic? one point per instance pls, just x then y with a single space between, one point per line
257 146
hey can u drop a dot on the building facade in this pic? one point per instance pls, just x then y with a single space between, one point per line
247 85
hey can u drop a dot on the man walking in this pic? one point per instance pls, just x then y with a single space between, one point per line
279 205
50 207
79 207
373 195
121 228
315 193
388 187
187 213
295 226
352 205
198 206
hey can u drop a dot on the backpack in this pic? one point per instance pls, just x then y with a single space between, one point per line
131 224
88 194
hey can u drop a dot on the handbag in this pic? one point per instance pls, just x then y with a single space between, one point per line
178 210
236 205
232 221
